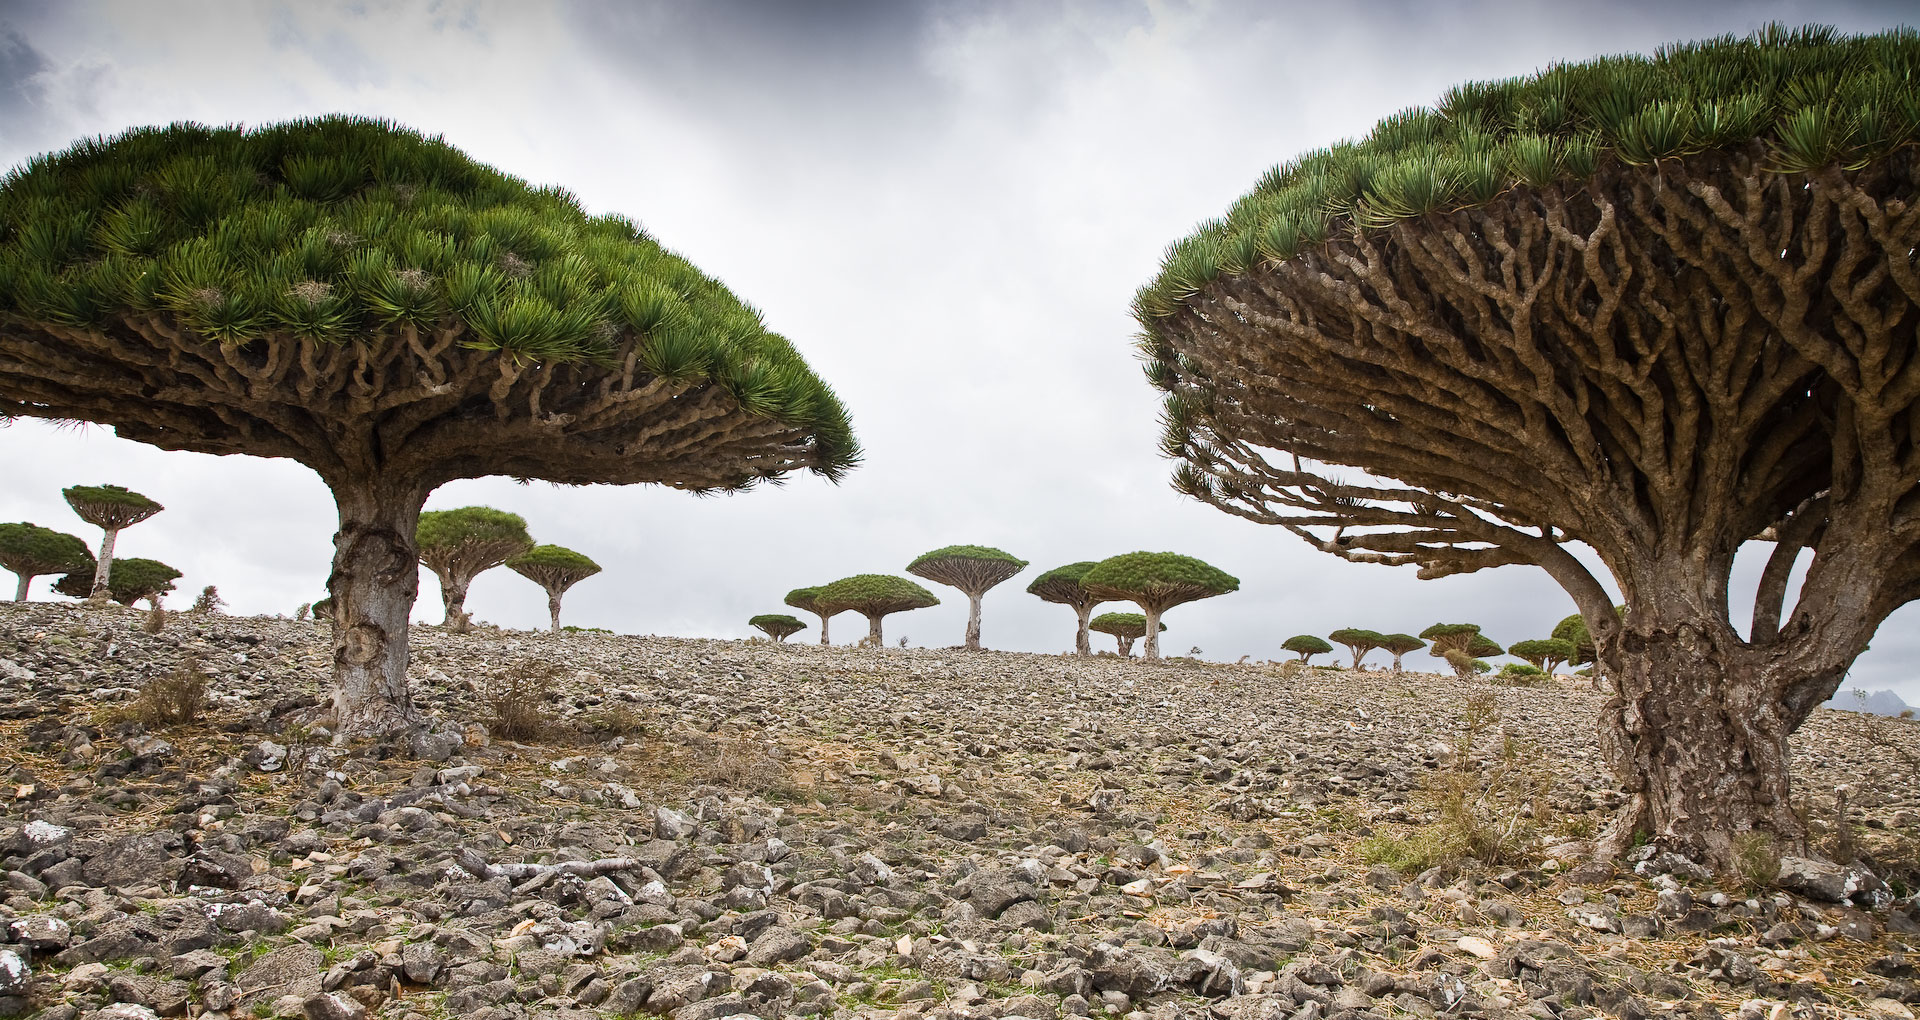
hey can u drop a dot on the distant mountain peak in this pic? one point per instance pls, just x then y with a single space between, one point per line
1875 703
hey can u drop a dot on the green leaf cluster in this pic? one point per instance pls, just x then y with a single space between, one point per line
1401 644
777 625
875 593
804 599
1145 572
110 495
129 579
1810 97
1541 651
30 549
552 558
346 229
445 529
966 552
1126 625
1306 645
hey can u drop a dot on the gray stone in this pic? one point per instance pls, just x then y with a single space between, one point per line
778 945
994 891
294 970
671 824
144 859
15 975
423 962
332 1006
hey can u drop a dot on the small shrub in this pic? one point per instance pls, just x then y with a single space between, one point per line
1487 811
1755 860
516 699
750 764
173 699
571 629
208 601
608 723
155 621
1519 674
301 613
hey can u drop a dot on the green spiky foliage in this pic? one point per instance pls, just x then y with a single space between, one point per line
874 596
807 600
1126 628
777 626
1656 307
132 578
1573 630
29 551
1450 637
1482 647
1358 641
377 305
1064 586
554 568
974 569
1156 582
459 545
323 609
1521 673
1544 654
1306 646
1398 645
110 508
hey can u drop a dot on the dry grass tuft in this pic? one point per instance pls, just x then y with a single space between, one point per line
174 699
516 700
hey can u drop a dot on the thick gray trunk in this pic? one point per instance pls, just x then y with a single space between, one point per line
1126 645
973 622
453 598
1697 733
553 609
20 592
873 630
823 628
1152 651
103 567
1082 642
376 577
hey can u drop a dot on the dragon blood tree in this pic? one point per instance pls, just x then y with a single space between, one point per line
874 596
777 626
807 600
1398 645
28 550
1156 582
1545 654
1126 628
1357 640
971 568
385 310
554 568
1657 306
461 544
109 508
133 578
1306 646
1062 585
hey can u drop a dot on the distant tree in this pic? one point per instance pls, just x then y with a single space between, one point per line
1459 644
377 305
874 596
29 551
971 568
1573 631
554 568
779 626
1358 641
133 578
109 508
1306 646
1545 654
208 601
1126 628
1483 647
1063 585
458 545
1521 672
1156 582
1399 645
807 600
323 609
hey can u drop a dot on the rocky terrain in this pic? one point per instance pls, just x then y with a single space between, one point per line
704 829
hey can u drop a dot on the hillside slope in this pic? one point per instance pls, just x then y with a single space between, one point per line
776 830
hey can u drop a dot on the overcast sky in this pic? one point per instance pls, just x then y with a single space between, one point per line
946 206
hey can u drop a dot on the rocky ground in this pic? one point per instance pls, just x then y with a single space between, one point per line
713 828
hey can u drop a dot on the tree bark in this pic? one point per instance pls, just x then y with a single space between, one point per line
873 630
103 566
973 621
1126 646
1082 641
1152 650
453 597
376 577
20 592
823 628
553 609
1697 732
